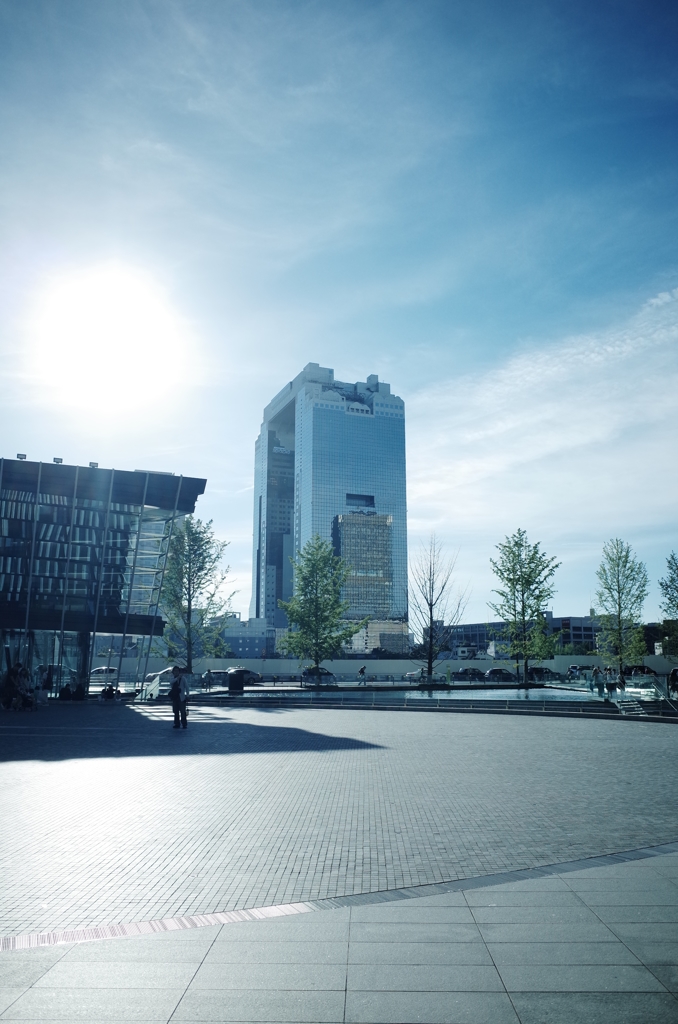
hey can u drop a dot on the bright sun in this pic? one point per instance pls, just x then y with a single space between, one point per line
106 340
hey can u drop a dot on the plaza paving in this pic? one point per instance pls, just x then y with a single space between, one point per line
111 816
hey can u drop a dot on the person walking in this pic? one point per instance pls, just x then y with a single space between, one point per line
598 681
179 692
361 676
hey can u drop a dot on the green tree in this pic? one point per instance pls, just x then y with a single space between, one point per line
525 573
435 606
316 610
669 588
622 589
193 593
669 606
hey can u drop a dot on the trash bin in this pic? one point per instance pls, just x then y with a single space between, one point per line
236 681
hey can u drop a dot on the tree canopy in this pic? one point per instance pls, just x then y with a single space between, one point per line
525 573
669 588
622 588
192 596
316 610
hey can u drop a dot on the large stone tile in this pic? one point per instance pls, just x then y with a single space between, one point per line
17 971
401 932
523 898
582 931
237 1005
533 915
138 949
327 925
446 899
640 915
547 883
391 913
431 1007
42 955
205 933
667 975
645 932
604 883
115 975
277 953
654 952
279 977
9 995
527 953
423 978
419 953
628 898
93 1005
596 1008
579 978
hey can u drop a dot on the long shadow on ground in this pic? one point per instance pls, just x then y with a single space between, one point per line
86 731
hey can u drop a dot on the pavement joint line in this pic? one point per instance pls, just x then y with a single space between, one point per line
134 929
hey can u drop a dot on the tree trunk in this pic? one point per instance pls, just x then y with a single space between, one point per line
429 664
189 637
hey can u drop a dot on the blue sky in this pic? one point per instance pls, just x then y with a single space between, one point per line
477 201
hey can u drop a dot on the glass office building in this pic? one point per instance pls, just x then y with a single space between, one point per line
330 461
82 555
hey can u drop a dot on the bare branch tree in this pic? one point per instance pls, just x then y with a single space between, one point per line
435 602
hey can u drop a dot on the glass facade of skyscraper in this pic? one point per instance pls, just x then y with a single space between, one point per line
83 552
330 461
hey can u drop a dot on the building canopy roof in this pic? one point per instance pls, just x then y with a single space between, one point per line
94 484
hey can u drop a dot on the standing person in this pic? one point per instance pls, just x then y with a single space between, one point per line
179 692
361 676
209 678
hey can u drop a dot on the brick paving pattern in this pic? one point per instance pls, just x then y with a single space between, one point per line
110 815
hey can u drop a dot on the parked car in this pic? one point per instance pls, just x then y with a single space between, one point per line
249 677
499 675
318 677
468 675
543 674
414 677
103 676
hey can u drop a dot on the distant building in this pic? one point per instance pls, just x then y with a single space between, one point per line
248 638
579 631
330 461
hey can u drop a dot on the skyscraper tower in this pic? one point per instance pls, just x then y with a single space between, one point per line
330 460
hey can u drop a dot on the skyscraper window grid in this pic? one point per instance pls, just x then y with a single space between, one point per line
347 445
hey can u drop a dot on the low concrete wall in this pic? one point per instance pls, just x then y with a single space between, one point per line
382 670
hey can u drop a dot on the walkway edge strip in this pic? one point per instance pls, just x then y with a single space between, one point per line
172 924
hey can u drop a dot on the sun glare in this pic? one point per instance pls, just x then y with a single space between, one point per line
106 341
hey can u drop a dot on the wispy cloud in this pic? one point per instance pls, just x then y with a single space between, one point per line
574 441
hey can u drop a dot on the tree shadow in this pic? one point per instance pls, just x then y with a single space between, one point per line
68 732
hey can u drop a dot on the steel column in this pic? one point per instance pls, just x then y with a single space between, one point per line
30 571
131 582
68 569
101 577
